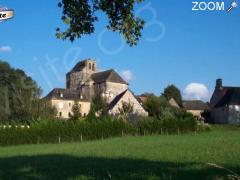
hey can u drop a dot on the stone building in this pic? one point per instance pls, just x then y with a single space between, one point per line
84 82
225 104
195 107
64 99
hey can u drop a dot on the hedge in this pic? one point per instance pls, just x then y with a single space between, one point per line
56 131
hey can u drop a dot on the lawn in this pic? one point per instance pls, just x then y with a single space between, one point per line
208 155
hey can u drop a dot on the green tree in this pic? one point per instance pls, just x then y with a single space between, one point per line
156 106
173 92
42 109
20 97
99 108
19 92
80 15
76 111
125 110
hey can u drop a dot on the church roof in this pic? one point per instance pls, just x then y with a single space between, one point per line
66 94
117 99
195 105
80 66
230 97
107 76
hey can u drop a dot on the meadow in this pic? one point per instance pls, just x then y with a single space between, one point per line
206 155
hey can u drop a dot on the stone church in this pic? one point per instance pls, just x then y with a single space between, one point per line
84 82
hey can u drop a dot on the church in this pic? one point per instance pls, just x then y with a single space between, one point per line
84 82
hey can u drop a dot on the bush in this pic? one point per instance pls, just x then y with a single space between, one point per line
168 124
53 131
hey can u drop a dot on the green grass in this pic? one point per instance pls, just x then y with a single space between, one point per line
151 157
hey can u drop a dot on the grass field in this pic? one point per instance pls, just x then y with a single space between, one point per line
191 156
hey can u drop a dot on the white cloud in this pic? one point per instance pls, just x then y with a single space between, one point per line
127 75
196 91
5 49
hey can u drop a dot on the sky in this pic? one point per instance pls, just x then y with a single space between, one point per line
189 49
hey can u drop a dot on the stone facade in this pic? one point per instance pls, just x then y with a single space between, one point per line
127 97
64 107
80 74
195 107
225 104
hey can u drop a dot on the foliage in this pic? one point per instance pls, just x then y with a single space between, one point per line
155 106
169 124
125 110
99 108
18 93
80 15
76 112
173 92
49 131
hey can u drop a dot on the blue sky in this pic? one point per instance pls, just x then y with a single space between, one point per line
179 46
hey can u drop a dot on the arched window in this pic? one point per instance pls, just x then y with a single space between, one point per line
60 114
90 67
93 67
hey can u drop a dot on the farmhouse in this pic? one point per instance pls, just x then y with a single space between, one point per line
225 104
84 82
196 107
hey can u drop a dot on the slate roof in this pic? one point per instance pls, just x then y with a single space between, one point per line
195 105
67 94
78 67
107 76
231 97
116 99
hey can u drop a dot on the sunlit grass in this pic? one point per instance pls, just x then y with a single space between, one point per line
205 155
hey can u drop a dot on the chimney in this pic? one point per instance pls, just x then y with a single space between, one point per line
218 84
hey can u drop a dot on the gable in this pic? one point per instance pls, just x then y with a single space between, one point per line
231 97
128 97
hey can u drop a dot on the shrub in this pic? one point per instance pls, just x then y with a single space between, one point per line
53 131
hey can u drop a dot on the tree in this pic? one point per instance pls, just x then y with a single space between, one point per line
42 109
18 93
76 111
125 110
156 106
80 16
99 108
173 92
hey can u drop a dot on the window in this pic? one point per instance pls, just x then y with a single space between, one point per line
61 105
60 114
84 115
69 114
61 95
93 67
70 104
90 66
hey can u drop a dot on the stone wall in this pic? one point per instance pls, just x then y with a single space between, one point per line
115 89
64 107
75 79
129 98
196 113
220 115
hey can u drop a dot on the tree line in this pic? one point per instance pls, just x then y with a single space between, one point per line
20 96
